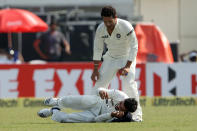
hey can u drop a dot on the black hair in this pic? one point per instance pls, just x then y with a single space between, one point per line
130 104
108 11
193 58
126 118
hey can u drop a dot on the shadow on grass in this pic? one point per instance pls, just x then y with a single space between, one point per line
32 123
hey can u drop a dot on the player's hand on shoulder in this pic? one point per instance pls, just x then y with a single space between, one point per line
103 95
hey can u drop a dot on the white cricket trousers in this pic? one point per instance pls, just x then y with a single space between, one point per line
108 70
89 104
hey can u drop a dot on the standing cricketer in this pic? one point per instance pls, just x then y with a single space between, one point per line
122 45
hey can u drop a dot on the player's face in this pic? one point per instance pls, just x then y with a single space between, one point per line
109 22
120 106
53 27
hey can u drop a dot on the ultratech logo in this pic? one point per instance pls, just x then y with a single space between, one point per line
8 103
174 102
32 103
143 102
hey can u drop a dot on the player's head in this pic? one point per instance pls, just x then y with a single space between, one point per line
109 16
53 25
128 105
193 57
108 11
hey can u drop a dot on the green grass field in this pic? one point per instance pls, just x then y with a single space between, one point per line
161 118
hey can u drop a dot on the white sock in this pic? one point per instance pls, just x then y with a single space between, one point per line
55 111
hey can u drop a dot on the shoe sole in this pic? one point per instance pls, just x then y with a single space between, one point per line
47 101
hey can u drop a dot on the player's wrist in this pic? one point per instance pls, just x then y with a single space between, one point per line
95 69
96 66
128 65
112 114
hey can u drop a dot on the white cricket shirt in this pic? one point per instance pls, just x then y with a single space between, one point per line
115 96
122 42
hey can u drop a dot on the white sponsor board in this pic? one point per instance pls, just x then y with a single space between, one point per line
178 79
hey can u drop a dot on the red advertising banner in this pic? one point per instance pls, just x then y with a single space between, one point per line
60 79
141 78
57 79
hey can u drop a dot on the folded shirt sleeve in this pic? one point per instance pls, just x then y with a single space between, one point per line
133 46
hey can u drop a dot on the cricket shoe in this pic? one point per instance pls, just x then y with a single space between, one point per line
44 113
51 101
47 112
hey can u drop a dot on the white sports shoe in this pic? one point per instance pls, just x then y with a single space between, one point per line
47 112
137 118
44 113
51 101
